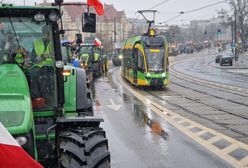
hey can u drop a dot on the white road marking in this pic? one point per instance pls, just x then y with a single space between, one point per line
115 107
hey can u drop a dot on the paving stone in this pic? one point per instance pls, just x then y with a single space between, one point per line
221 144
206 136
195 129
239 153
185 124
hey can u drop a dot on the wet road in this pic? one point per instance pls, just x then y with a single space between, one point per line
139 138
202 65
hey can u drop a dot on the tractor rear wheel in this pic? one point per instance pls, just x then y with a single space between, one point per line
85 147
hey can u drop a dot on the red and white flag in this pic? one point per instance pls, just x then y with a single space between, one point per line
97 5
11 153
97 42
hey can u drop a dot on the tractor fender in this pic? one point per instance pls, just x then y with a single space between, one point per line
74 122
77 93
81 90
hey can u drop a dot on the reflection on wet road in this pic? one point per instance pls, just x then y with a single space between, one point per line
139 138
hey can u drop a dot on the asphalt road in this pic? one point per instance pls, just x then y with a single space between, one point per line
139 138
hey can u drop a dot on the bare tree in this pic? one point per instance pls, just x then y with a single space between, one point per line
240 9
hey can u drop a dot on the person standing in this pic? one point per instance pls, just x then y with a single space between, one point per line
41 74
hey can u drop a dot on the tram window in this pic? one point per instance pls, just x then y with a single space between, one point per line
128 58
140 61
124 56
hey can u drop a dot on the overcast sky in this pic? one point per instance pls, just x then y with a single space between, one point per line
167 10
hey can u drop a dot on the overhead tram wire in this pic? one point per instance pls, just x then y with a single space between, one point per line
193 10
157 5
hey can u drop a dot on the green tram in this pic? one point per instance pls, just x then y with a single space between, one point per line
145 60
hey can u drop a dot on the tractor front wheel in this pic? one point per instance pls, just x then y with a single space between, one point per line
84 147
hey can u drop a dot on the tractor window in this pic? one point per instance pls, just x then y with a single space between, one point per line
29 44
20 35
85 50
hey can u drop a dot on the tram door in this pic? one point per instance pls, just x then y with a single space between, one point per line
135 66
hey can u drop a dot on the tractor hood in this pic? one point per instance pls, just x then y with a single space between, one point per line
15 105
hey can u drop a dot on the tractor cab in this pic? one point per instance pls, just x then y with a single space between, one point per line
92 59
27 43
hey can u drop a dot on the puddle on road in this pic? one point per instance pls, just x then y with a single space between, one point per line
139 111
142 119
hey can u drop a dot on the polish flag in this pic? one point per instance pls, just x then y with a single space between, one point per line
97 42
11 153
97 5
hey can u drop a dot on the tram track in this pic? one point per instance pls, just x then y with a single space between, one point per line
235 92
202 116
219 97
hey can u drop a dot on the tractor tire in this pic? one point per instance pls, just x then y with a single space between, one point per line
83 148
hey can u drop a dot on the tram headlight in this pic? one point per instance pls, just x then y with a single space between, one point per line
148 74
163 74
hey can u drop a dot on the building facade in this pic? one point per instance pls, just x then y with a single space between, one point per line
113 27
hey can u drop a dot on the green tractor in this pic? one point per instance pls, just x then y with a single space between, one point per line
44 104
93 59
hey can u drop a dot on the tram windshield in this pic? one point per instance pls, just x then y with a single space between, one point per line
155 59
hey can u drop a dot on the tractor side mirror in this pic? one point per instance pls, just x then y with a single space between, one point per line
89 22
79 38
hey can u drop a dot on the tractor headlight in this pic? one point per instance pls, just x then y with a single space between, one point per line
53 17
21 140
60 64
39 17
120 56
